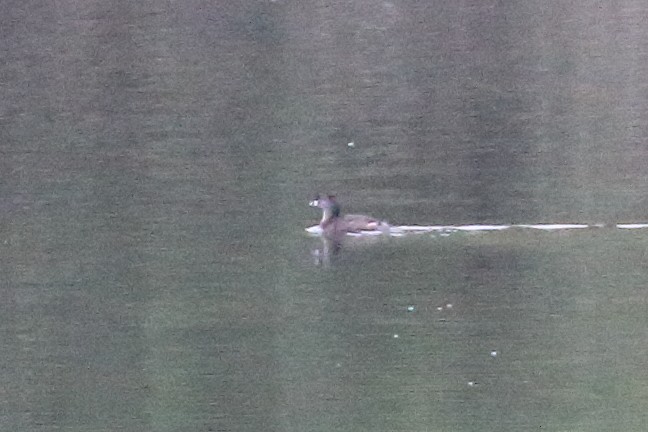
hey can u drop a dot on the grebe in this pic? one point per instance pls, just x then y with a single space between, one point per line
334 224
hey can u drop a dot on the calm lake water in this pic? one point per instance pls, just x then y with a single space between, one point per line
157 159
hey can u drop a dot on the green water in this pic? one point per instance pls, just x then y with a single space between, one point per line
157 159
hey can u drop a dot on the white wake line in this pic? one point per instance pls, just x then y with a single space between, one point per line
404 229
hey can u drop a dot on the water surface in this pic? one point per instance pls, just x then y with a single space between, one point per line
157 160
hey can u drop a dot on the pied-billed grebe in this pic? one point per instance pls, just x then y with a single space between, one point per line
333 224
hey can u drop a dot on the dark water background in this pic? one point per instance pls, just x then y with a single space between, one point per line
156 160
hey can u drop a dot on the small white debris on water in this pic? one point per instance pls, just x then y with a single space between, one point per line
471 383
395 336
410 308
439 308
449 306
351 144
493 354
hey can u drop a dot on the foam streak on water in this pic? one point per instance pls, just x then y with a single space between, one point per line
398 231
